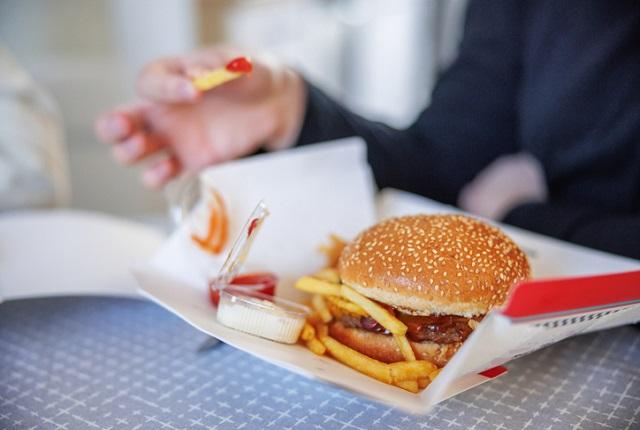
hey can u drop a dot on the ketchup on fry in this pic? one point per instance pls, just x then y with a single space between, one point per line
240 65
262 282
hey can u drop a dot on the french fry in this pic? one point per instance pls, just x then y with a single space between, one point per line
377 312
346 306
308 332
233 70
333 250
411 376
408 385
411 370
433 375
314 319
317 301
405 347
360 362
328 274
214 78
317 286
316 346
322 330
423 383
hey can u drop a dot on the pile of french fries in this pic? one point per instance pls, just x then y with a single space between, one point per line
330 298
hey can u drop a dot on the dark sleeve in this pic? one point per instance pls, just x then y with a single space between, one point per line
616 233
471 119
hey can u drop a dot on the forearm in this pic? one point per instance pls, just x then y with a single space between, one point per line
397 157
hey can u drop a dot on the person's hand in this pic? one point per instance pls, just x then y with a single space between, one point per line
175 127
509 181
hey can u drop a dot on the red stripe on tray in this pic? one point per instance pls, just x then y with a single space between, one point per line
494 372
568 294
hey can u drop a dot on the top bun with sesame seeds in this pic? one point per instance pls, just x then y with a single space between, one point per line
434 265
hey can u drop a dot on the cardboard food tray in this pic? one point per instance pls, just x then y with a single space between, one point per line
325 189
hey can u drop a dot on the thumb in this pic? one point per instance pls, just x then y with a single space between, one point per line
162 81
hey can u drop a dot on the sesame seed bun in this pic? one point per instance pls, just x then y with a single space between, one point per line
434 264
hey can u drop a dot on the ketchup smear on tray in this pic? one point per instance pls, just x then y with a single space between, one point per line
263 282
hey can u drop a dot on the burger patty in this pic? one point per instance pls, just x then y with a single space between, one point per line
385 348
442 329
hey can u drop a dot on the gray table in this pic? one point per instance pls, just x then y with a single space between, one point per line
102 363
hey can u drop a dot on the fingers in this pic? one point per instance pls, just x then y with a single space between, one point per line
169 80
165 81
119 124
160 171
137 147
113 127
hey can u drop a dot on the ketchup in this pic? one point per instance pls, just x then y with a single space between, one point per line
436 328
240 65
261 282
252 226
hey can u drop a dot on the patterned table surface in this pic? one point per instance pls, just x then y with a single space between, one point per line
104 363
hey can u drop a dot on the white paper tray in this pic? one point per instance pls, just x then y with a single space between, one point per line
325 189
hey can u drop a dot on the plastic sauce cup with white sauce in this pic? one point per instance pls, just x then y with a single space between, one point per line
262 315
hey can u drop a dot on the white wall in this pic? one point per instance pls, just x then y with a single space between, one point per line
87 53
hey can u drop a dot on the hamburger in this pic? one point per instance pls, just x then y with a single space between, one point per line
437 274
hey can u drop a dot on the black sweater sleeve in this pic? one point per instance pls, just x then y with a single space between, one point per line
471 119
470 122
616 233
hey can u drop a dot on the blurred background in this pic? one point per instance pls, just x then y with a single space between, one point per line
378 57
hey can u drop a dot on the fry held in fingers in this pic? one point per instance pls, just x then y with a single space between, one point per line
235 69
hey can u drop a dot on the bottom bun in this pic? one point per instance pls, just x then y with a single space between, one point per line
384 347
